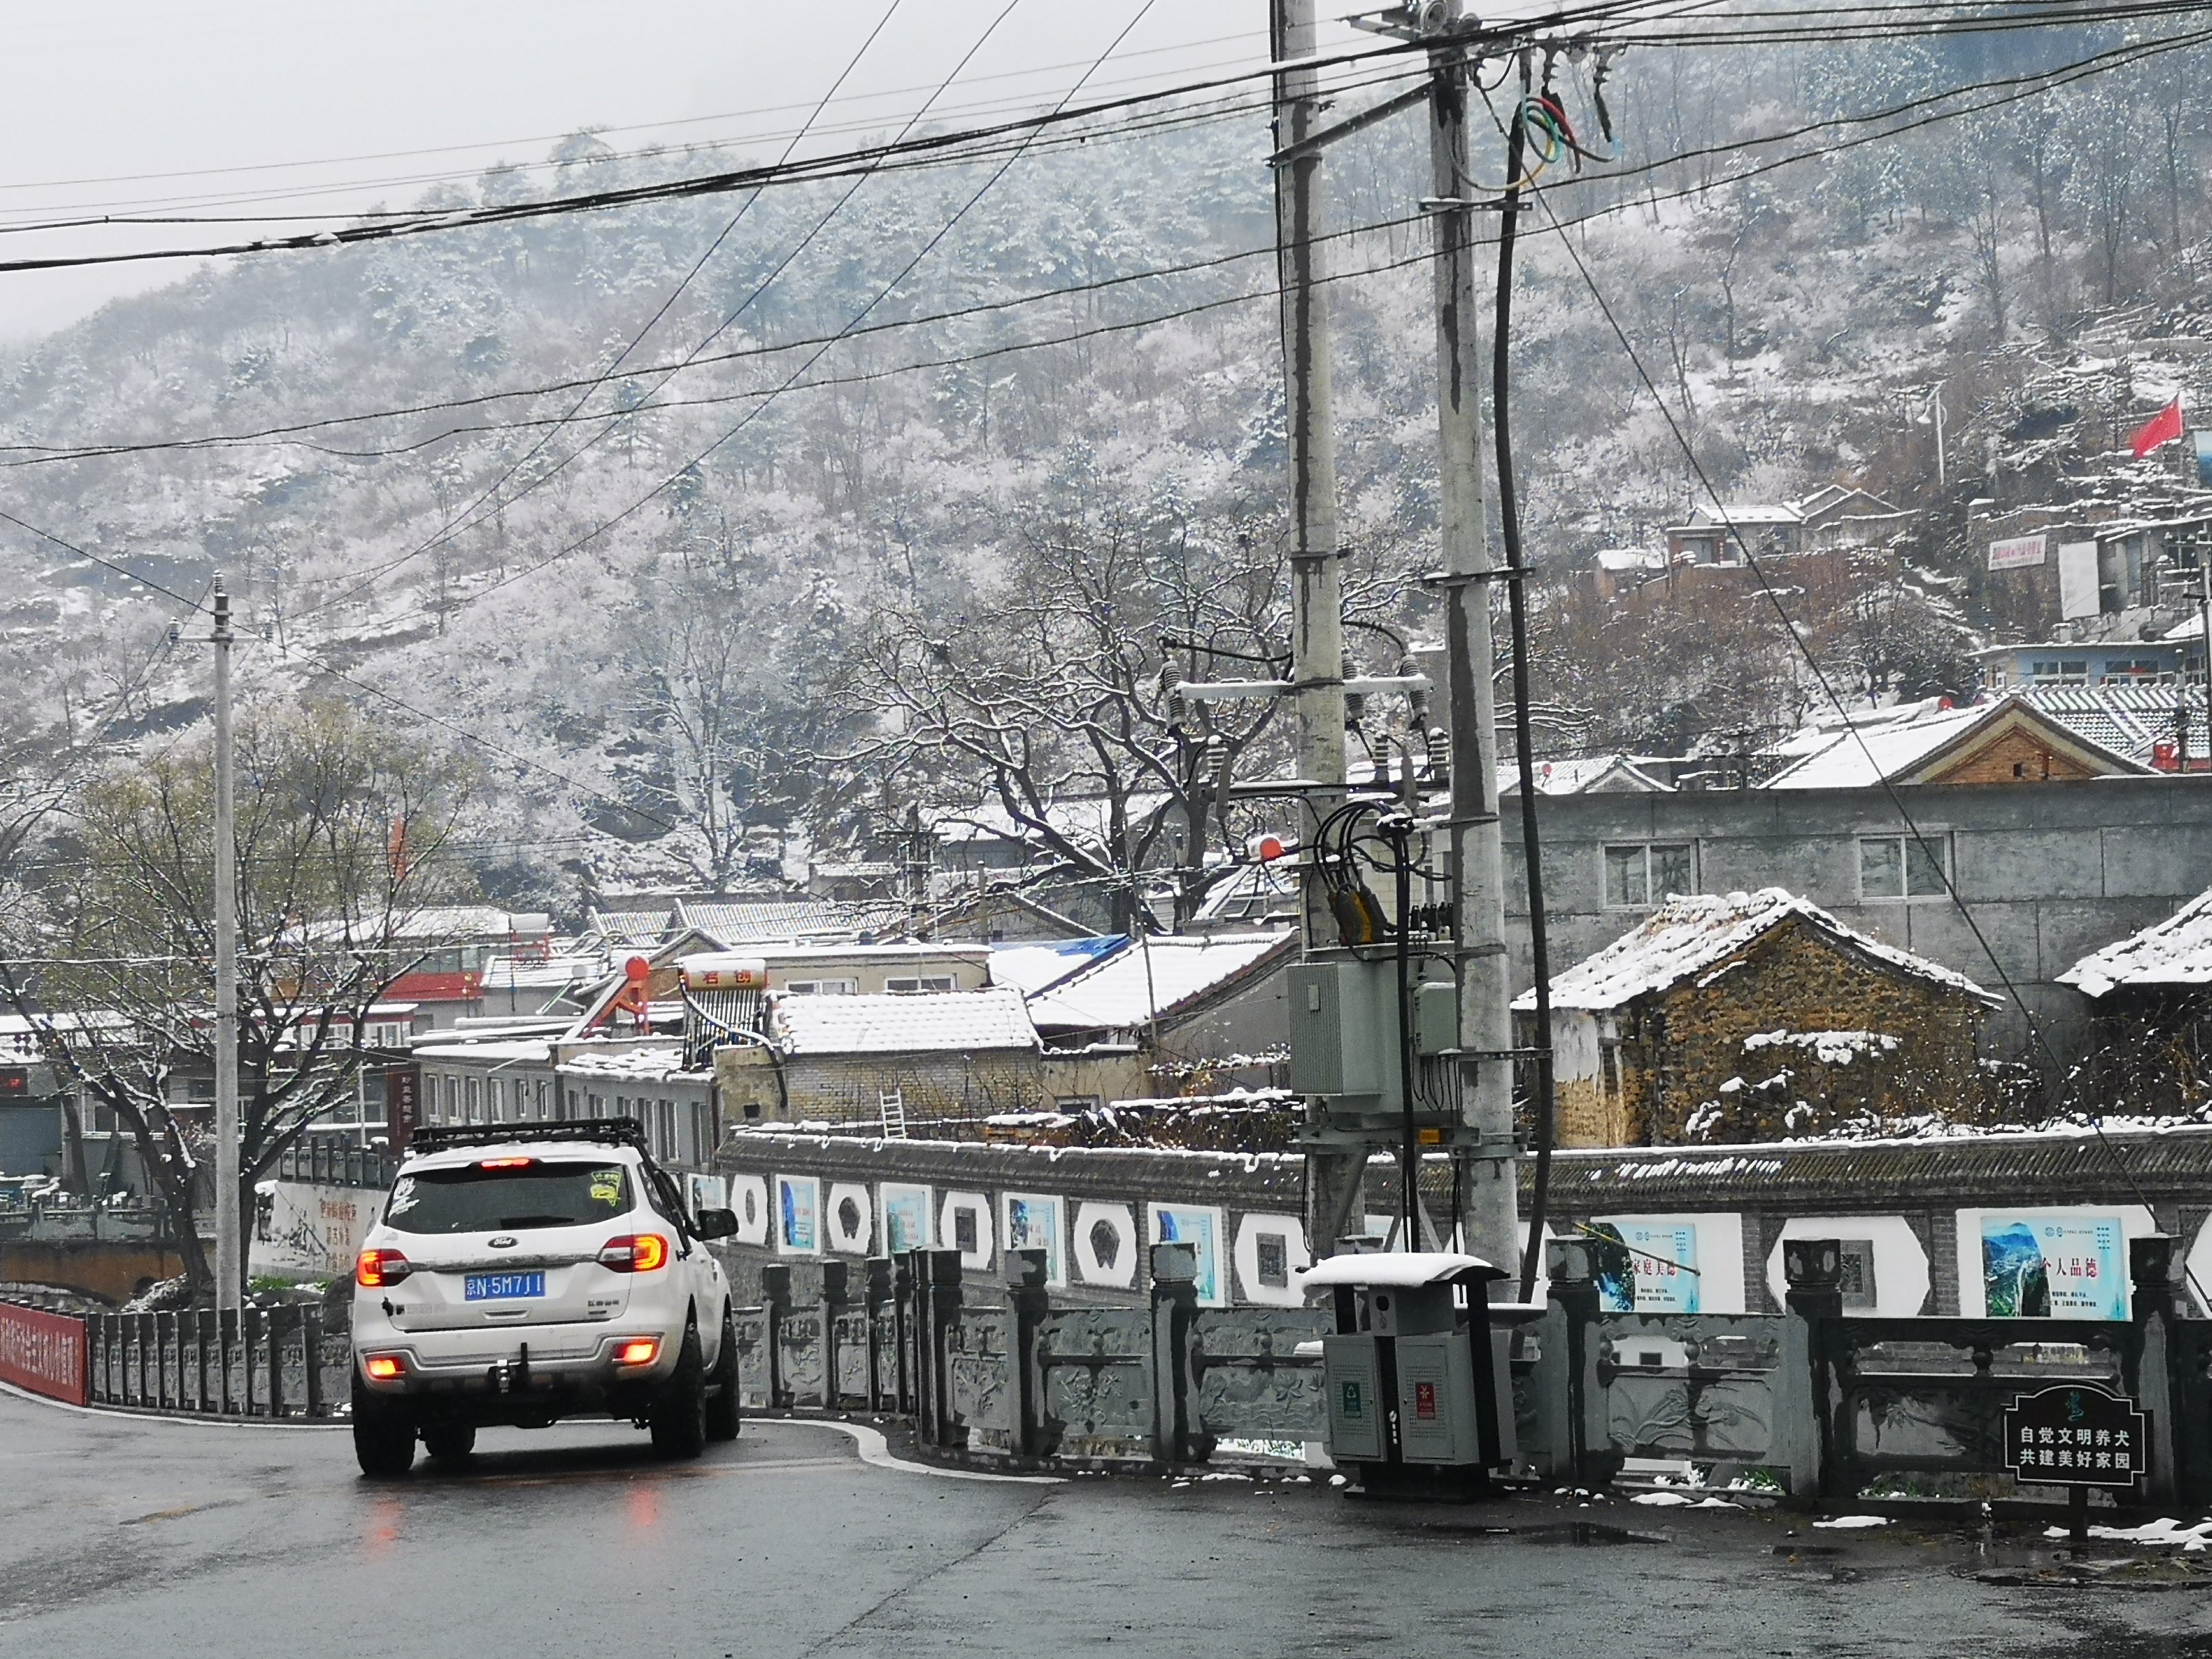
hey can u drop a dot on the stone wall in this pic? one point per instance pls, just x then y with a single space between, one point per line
1689 1043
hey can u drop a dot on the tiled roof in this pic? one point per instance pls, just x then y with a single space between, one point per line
632 929
2175 952
933 1022
1692 935
1869 750
793 920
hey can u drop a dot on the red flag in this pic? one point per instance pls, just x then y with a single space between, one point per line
2162 427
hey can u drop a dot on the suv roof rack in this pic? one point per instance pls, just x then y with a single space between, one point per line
612 1131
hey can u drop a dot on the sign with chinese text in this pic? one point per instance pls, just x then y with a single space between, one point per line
1641 1268
2014 552
44 1352
2076 1435
2054 1267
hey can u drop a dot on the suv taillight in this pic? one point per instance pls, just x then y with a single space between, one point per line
634 1253
377 1269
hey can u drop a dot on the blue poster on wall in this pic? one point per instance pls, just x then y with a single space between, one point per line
1645 1268
2046 1267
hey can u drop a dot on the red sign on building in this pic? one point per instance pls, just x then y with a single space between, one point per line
44 1352
402 1104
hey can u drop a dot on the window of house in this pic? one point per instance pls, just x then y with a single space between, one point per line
1903 867
1638 874
913 983
541 1100
474 1096
496 1100
822 987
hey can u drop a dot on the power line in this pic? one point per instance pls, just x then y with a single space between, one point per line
6 187
468 517
2029 85
1930 849
794 377
468 514
931 149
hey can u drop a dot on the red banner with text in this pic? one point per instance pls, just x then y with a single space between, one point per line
44 1352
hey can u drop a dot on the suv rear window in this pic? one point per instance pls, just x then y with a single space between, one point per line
476 1199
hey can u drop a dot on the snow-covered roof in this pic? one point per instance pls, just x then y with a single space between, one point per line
1031 968
1154 978
458 921
2130 718
658 1063
932 1022
496 1050
1872 752
1690 936
2175 952
759 922
1396 1269
1631 558
632 929
1707 517
1583 775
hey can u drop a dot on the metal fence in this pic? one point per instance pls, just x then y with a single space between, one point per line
261 1362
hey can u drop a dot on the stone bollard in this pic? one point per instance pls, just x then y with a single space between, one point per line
1174 1304
1807 1392
937 1299
882 1342
836 1296
1571 1414
775 1308
902 1322
2147 1363
1028 1302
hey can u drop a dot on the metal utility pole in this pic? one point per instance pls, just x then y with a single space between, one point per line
229 1279
1316 599
1485 1154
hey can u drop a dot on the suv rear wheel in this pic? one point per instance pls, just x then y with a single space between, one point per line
383 1439
679 1414
722 1402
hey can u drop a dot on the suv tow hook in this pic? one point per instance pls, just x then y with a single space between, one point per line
511 1376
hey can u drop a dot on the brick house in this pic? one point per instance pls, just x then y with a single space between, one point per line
2009 740
1755 1017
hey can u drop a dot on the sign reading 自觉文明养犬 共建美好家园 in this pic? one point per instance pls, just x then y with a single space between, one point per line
2076 1434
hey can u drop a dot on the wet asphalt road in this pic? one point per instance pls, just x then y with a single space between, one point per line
120 1536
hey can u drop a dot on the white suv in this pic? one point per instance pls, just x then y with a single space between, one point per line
520 1275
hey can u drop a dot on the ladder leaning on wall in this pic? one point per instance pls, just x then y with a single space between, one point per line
892 1104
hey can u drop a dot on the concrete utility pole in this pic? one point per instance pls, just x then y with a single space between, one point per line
229 1280
1316 598
1486 1154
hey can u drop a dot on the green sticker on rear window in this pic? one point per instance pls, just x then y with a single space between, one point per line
606 1186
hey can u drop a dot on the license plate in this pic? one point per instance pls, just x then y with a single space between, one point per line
500 1287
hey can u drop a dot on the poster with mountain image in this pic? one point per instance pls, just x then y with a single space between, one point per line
2054 1267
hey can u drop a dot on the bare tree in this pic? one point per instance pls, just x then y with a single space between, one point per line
1050 705
342 834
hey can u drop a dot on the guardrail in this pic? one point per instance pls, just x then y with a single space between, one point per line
1813 1405
335 1163
272 1363
994 1367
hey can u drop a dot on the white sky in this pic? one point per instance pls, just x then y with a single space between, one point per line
261 104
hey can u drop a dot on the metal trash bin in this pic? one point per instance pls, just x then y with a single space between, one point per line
1418 1390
